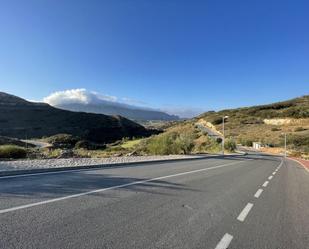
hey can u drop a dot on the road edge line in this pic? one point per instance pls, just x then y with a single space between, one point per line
299 163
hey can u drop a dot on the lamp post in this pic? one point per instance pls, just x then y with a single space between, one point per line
285 151
223 133
284 144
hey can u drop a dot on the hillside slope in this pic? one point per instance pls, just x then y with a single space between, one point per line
266 123
20 118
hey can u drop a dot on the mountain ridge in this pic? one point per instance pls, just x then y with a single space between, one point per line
137 113
20 118
81 99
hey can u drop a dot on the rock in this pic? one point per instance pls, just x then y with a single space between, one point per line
133 153
66 154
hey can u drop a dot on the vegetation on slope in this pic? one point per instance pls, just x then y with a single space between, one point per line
183 138
13 141
248 124
12 151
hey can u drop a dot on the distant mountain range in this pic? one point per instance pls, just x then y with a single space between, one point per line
20 119
82 100
113 108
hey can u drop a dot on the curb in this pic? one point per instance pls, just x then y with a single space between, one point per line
295 160
30 172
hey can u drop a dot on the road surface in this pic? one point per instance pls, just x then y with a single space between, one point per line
253 201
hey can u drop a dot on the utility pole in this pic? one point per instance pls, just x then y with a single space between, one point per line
284 144
223 133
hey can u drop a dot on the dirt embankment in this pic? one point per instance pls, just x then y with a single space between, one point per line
286 121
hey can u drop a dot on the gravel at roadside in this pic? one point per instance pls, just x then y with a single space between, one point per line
76 162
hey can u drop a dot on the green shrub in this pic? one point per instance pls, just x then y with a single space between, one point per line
298 141
230 145
85 144
12 151
206 144
64 141
217 121
299 129
185 142
170 143
219 140
246 142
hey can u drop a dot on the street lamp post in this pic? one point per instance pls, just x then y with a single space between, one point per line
285 150
284 144
223 133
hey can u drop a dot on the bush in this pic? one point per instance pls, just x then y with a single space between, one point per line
85 144
206 144
185 142
217 121
64 141
170 143
298 141
246 142
230 145
219 140
299 129
12 151
275 129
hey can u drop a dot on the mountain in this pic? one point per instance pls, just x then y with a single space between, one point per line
111 108
93 102
295 108
20 119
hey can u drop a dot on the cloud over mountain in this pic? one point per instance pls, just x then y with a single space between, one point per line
93 102
77 96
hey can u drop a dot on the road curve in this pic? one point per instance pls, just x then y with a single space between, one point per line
253 201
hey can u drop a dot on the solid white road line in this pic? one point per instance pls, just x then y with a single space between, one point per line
111 188
265 184
225 241
258 193
242 216
271 177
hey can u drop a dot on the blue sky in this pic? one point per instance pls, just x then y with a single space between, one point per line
167 54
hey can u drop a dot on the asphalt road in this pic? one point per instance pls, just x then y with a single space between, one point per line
210 203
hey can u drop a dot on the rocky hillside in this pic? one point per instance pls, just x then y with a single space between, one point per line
20 118
266 123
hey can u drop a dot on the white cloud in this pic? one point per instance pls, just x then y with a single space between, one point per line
77 96
83 96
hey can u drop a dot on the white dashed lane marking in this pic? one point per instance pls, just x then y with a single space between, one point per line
242 216
265 184
225 241
258 193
